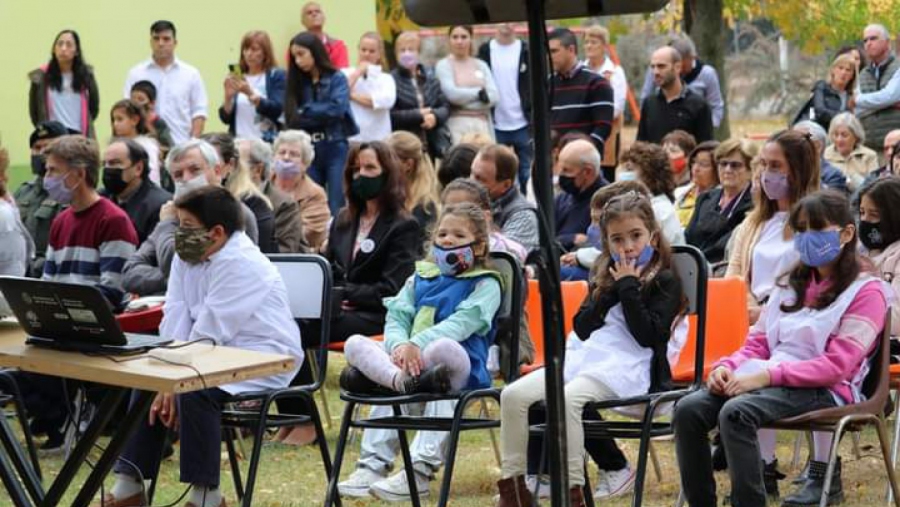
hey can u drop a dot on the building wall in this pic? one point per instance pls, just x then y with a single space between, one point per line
115 36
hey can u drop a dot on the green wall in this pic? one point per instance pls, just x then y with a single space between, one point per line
115 36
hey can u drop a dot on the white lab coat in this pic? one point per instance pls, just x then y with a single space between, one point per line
238 299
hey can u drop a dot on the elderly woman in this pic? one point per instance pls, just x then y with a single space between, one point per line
701 164
293 155
718 211
847 152
421 107
256 156
469 86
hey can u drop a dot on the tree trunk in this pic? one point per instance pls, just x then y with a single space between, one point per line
707 29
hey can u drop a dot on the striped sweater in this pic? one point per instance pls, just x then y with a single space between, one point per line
90 247
582 102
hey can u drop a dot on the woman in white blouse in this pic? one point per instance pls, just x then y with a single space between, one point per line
596 41
373 92
468 85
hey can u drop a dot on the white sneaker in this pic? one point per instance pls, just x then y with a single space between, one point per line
396 489
359 482
542 482
612 483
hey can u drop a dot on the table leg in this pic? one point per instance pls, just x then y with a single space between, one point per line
136 414
79 454
20 461
11 483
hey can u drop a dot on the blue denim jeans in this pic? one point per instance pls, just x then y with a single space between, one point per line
327 170
520 141
738 419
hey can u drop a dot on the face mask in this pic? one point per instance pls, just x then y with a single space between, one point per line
38 166
818 248
191 243
678 164
453 261
643 259
286 169
408 59
183 187
367 187
626 176
775 185
112 180
567 184
870 235
593 236
56 189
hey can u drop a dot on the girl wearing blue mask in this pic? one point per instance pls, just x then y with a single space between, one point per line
625 323
440 325
808 351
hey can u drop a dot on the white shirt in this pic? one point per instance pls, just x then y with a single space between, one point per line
247 120
772 256
374 122
151 146
180 94
616 76
17 248
505 59
238 299
65 104
665 214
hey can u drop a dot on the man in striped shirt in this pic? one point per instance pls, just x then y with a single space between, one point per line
582 100
92 238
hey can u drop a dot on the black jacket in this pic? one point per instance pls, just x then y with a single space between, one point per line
379 273
265 223
405 114
826 104
143 207
484 53
649 312
688 112
709 229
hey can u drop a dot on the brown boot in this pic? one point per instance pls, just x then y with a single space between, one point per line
514 492
576 496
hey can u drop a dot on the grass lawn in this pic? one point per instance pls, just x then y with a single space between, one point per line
294 477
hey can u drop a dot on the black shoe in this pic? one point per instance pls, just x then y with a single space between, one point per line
771 476
435 380
810 492
719 462
353 381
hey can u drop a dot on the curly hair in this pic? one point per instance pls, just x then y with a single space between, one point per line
652 165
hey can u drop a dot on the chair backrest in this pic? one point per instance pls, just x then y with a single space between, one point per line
876 386
308 281
573 294
509 315
727 323
691 267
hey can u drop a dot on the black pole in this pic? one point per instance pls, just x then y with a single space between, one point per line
549 275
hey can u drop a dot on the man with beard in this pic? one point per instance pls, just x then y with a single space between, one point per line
674 106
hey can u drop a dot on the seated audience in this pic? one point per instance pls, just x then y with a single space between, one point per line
126 181
848 151
294 153
222 288
679 145
422 199
830 176
579 178
457 163
703 177
649 164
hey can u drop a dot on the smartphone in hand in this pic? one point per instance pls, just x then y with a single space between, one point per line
235 70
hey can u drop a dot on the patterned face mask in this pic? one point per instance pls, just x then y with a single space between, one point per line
191 243
453 261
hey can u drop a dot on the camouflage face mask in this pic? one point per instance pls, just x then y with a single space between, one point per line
191 243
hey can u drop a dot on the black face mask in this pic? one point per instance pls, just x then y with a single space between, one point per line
367 187
567 184
112 180
870 235
38 165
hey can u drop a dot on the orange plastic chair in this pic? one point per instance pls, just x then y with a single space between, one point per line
573 294
339 346
727 324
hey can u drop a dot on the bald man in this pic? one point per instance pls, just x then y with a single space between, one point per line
579 178
674 106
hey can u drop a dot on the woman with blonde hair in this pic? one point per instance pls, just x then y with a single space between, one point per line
830 97
596 44
422 198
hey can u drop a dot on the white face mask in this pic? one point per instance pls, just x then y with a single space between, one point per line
183 187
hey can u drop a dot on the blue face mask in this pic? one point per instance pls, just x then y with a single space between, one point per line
593 236
626 176
818 248
453 261
643 259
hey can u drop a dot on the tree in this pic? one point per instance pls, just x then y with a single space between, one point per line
703 21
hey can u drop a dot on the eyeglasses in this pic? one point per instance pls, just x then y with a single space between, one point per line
733 165
871 38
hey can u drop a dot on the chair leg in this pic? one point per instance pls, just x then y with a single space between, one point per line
641 473
586 489
233 460
258 435
856 452
679 502
832 461
655 460
407 462
486 413
323 449
895 443
798 444
450 459
891 476
354 431
331 494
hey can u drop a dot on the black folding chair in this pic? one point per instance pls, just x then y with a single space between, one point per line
691 267
308 281
508 317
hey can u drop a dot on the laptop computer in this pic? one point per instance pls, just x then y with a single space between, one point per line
69 316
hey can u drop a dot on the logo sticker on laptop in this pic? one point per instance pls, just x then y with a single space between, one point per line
81 315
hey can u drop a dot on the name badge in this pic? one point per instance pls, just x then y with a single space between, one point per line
367 246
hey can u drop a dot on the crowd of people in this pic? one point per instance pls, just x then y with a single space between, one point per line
406 178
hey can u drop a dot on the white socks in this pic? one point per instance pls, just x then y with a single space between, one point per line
205 497
125 486
767 445
822 446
